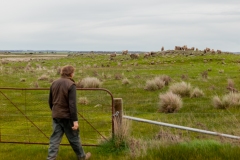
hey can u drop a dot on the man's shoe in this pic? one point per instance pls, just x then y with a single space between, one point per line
87 155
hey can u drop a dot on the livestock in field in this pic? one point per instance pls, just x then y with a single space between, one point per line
125 52
113 55
219 51
178 48
184 47
146 55
208 49
153 53
162 49
134 56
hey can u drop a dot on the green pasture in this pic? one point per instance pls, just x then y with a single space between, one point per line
155 142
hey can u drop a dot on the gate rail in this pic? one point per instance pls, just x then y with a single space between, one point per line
7 101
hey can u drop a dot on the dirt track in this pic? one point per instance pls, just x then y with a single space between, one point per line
26 58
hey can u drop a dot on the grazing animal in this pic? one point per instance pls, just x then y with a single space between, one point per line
153 53
125 52
219 51
134 56
146 55
162 49
113 55
184 47
178 48
208 49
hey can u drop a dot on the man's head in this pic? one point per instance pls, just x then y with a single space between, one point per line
67 71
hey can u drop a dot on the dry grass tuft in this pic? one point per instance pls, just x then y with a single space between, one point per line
229 100
118 76
230 86
125 81
169 137
196 93
121 131
89 82
205 74
83 100
36 85
58 70
181 88
23 80
156 83
160 82
151 85
169 102
166 79
43 78
184 77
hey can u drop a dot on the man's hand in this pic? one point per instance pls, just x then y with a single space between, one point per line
75 125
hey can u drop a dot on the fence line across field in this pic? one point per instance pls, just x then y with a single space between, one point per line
181 127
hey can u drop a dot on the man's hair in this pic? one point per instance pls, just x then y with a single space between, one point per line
67 70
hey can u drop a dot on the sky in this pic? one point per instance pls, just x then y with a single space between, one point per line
116 25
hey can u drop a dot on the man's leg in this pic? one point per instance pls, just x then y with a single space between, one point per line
55 139
74 139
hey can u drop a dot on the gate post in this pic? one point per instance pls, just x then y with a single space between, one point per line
117 114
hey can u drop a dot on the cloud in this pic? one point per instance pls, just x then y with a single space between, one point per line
117 25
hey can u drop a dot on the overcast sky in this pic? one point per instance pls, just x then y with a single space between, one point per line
115 25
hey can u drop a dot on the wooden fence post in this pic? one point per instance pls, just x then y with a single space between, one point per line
117 114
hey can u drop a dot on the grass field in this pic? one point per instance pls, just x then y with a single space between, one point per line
209 72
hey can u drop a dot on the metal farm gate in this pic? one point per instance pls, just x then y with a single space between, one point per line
25 116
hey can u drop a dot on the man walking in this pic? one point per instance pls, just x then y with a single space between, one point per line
62 102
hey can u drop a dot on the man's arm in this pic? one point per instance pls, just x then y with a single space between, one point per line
72 103
50 98
73 106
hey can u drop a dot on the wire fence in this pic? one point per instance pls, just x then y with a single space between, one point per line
222 121
25 116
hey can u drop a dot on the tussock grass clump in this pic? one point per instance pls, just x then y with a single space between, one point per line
229 100
83 100
230 86
205 74
169 102
159 82
118 76
120 142
43 78
196 92
151 85
181 88
89 82
35 85
155 84
166 79
22 79
121 130
230 83
58 70
125 81
167 136
184 77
